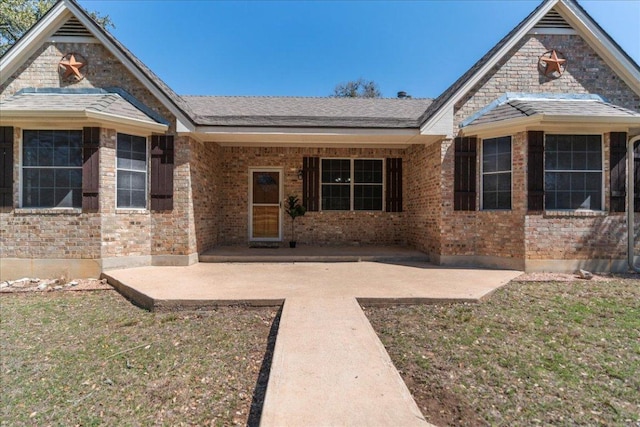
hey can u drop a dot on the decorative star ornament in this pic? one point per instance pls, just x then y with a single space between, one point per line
551 65
70 66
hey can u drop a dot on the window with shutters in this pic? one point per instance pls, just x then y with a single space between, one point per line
496 173
52 169
131 171
352 184
573 172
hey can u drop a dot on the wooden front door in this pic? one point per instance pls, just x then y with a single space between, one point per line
265 216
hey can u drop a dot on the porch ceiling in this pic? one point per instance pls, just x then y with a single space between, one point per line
300 137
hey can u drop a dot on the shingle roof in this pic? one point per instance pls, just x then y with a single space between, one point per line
306 112
549 106
102 102
457 85
451 91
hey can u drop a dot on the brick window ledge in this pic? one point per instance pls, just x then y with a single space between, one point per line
48 211
574 214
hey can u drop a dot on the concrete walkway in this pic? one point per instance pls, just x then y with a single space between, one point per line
329 367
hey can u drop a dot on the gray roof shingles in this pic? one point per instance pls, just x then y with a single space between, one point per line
520 108
109 103
306 112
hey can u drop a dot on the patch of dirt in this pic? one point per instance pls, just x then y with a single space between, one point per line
29 284
439 405
567 277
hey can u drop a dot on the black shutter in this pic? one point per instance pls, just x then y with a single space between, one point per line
535 171
6 163
162 161
618 173
394 185
90 169
636 176
311 183
464 174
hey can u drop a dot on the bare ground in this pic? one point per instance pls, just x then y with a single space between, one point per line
534 353
92 358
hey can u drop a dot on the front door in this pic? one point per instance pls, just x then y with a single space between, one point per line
265 195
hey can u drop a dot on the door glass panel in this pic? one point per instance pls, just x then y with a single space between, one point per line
266 188
265 221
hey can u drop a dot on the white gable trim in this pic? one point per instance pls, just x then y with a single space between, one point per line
45 29
596 39
34 38
602 44
470 83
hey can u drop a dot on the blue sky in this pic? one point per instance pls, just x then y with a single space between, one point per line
291 48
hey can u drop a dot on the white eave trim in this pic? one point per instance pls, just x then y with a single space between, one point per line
596 39
602 44
113 120
45 29
470 83
538 120
26 46
246 130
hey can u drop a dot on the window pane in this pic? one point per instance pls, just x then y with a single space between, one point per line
132 172
367 171
335 197
52 168
336 171
579 186
367 197
496 173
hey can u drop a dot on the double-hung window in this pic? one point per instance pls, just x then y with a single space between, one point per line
352 184
52 169
573 172
496 173
131 172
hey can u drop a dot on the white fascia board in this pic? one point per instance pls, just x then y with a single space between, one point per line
554 122
470 83
33 39
440 124
98 33
226 130
117 120
602 44
75 116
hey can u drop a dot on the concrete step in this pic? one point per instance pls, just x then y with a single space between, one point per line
329 368
303 253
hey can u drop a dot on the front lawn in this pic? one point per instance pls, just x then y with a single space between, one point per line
551 353
92 358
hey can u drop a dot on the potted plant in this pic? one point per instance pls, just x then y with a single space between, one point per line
294 209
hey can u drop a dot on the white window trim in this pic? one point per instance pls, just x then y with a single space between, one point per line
146 180
21 167
602 173
352 183
482 173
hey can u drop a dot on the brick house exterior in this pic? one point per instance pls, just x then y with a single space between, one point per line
115 170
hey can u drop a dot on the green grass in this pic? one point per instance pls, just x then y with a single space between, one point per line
92 358
534 353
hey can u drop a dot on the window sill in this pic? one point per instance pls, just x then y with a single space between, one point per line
48 211
574 214
131 211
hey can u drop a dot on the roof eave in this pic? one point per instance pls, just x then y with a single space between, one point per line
56 16
81 116
522 29
555 123
597 38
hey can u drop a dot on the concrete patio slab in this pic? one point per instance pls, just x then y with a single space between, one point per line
209 285
330 369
